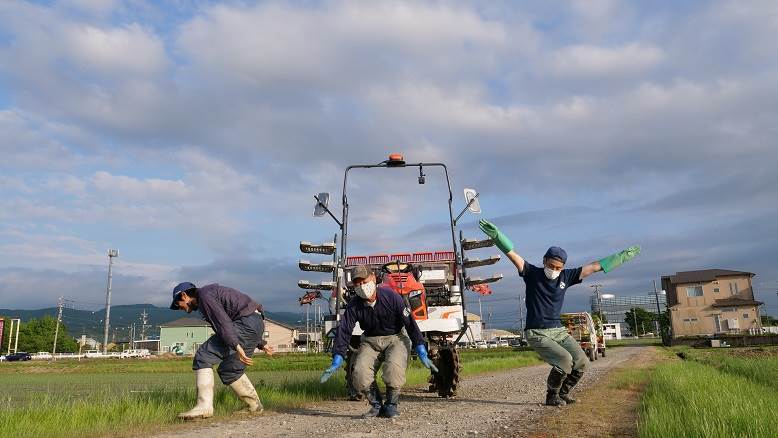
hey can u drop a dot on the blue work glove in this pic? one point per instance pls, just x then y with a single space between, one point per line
421 351
337 361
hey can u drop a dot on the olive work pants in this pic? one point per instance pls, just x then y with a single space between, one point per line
390 350
557 348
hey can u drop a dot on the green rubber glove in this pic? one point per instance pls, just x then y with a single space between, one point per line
612 262
501 240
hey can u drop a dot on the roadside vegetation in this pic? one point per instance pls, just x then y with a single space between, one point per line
712 393
131 397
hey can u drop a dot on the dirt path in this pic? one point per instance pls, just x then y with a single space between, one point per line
506 403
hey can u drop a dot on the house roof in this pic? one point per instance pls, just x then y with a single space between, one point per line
704 275
286 326
736 302
186 322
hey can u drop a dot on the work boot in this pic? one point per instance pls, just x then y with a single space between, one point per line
376 402
204 406
570 381
245 391
392 399
555 378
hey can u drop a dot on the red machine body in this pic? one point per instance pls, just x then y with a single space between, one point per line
412 291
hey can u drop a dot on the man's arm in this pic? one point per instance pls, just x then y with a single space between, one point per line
517 260
591 268
409 323
343 336
503 243
611 262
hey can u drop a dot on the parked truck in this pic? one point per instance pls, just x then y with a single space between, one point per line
581 327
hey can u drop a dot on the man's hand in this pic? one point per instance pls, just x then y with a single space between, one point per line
421 351
612 262
337 360
242 356
268 349
500 240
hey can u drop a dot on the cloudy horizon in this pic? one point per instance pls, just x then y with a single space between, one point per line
192 135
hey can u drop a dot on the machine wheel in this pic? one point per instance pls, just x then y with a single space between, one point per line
351 356
435 357
592 354
603 352
447 378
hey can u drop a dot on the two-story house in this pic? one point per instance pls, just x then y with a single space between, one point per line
711 301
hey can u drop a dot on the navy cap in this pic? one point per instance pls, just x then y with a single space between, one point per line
556 252
182 287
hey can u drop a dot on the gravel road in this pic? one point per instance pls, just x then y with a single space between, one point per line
496 403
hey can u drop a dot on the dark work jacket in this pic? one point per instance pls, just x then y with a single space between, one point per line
387 317
220 305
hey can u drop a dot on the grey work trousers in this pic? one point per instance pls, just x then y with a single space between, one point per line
214 351
390 350
557 348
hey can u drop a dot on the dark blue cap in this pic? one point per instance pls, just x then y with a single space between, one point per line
556 252
182 287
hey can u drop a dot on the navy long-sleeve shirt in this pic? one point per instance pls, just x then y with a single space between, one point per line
220 305
387 317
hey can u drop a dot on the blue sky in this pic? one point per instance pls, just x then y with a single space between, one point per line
193 135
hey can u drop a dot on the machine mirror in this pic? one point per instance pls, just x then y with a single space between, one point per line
471 198
322 201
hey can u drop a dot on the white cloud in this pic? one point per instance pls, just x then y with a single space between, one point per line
129 50
587 61
338 46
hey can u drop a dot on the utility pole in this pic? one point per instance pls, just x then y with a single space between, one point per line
60 303
658 311
307 329
145 319
111 254
635 318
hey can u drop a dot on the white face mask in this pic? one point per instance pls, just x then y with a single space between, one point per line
366 290
551 274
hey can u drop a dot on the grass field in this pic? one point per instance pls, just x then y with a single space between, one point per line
129 397
629 342
713 393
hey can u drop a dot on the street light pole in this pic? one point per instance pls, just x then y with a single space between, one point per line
599 298
111 254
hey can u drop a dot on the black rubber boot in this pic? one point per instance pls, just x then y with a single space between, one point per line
375 400
555 378
570 381
392 399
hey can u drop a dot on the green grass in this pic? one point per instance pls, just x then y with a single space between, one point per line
689 399
125 397
627 342
713 393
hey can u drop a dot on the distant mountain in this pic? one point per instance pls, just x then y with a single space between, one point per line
90 323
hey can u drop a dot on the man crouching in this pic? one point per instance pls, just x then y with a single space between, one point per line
239 325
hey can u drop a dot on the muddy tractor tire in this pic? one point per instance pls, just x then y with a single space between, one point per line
351 356
603 352
432 380
592 354
447 377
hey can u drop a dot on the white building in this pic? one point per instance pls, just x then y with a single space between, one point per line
611 331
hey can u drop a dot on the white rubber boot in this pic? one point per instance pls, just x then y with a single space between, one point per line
245 390
204 406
